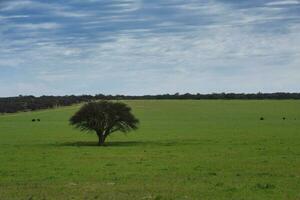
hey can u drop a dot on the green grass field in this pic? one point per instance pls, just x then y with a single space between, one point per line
183 150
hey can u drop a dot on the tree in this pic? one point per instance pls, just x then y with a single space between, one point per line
104 118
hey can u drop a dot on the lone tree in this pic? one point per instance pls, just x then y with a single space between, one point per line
104 118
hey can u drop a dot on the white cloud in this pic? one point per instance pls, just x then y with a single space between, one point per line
16 5
207 7
283 3
65 13
38 26
13 17
49 8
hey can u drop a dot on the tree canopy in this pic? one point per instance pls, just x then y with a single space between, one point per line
104 118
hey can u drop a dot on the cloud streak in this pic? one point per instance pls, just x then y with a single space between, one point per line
280 3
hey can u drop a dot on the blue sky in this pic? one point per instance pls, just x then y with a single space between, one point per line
61 47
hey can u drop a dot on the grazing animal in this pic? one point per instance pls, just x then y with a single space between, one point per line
262 118
33 120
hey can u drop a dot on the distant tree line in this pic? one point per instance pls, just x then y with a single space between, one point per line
31 103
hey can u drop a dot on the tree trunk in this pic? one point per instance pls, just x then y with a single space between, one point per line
101 138
101 141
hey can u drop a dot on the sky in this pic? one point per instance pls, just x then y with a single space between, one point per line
137 47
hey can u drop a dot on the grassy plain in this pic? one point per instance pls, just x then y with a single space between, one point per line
183 150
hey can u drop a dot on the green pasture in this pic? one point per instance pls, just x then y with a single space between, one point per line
184 149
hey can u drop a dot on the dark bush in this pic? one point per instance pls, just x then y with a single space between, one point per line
262 118
33 120
283 118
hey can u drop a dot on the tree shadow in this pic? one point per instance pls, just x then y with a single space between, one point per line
128 143
106 144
